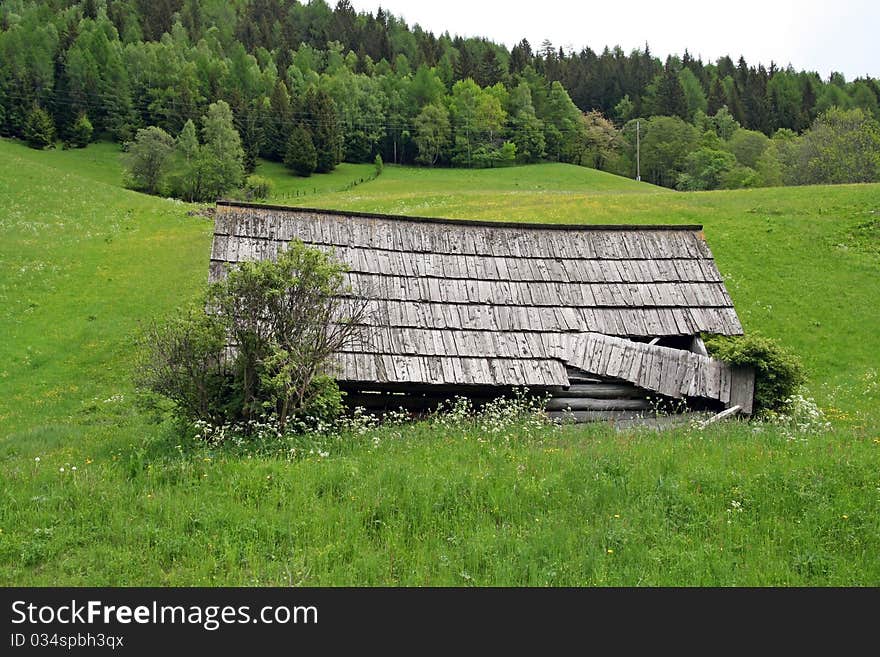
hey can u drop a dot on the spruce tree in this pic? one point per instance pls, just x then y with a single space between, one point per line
186 178
320 112
301 156
717 97
278 124
81 131
671 100
39 131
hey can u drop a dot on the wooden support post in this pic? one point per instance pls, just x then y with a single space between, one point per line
742 388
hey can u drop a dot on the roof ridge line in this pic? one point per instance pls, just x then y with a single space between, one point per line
463 222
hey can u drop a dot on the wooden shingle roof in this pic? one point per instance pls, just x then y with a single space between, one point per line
486 303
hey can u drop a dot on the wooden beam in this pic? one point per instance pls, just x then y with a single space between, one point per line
587 404
729 412
597 390
698 346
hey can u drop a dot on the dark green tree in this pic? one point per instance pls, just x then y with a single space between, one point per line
717 98
670 99
278 123
301 156
520 56
320 118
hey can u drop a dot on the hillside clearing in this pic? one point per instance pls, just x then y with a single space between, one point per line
83 263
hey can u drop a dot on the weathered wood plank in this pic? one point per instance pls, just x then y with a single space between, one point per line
742 388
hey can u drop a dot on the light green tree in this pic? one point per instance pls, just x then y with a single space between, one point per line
187 170
694 96
747 146
39 131
843 146
432 132
665 145
221 152
526 129
147 159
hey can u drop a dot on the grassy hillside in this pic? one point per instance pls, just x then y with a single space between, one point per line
800 263
84 262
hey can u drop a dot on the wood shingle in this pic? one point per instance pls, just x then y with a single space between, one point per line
482 303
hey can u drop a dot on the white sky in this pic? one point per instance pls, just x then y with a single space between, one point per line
814 35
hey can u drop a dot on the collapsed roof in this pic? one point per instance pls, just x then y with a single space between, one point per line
489 303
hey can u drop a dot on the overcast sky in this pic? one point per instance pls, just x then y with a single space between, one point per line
822 36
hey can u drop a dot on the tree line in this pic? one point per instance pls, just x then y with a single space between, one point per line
312 86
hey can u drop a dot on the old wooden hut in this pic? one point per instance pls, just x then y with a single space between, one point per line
606 319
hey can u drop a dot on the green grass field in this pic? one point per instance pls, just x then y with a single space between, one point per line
84 263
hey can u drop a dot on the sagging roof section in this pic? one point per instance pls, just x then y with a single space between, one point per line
483 303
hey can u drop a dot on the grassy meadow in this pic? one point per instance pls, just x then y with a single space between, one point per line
96 491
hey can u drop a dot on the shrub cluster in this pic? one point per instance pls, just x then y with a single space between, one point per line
257 187
256 349
778 372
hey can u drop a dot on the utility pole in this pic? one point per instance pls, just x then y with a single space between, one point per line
638 147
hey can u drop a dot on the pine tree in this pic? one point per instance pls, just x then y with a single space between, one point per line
736 106
465 67
301 156
39 131
489 70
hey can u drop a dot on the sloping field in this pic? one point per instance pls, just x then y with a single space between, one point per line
93 490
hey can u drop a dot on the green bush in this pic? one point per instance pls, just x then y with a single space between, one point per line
778 372
257 187
379 165
285 319
183 361
323 404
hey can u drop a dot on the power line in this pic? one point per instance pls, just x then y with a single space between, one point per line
99 104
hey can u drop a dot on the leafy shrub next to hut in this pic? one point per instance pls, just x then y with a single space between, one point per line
778 372
255 349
